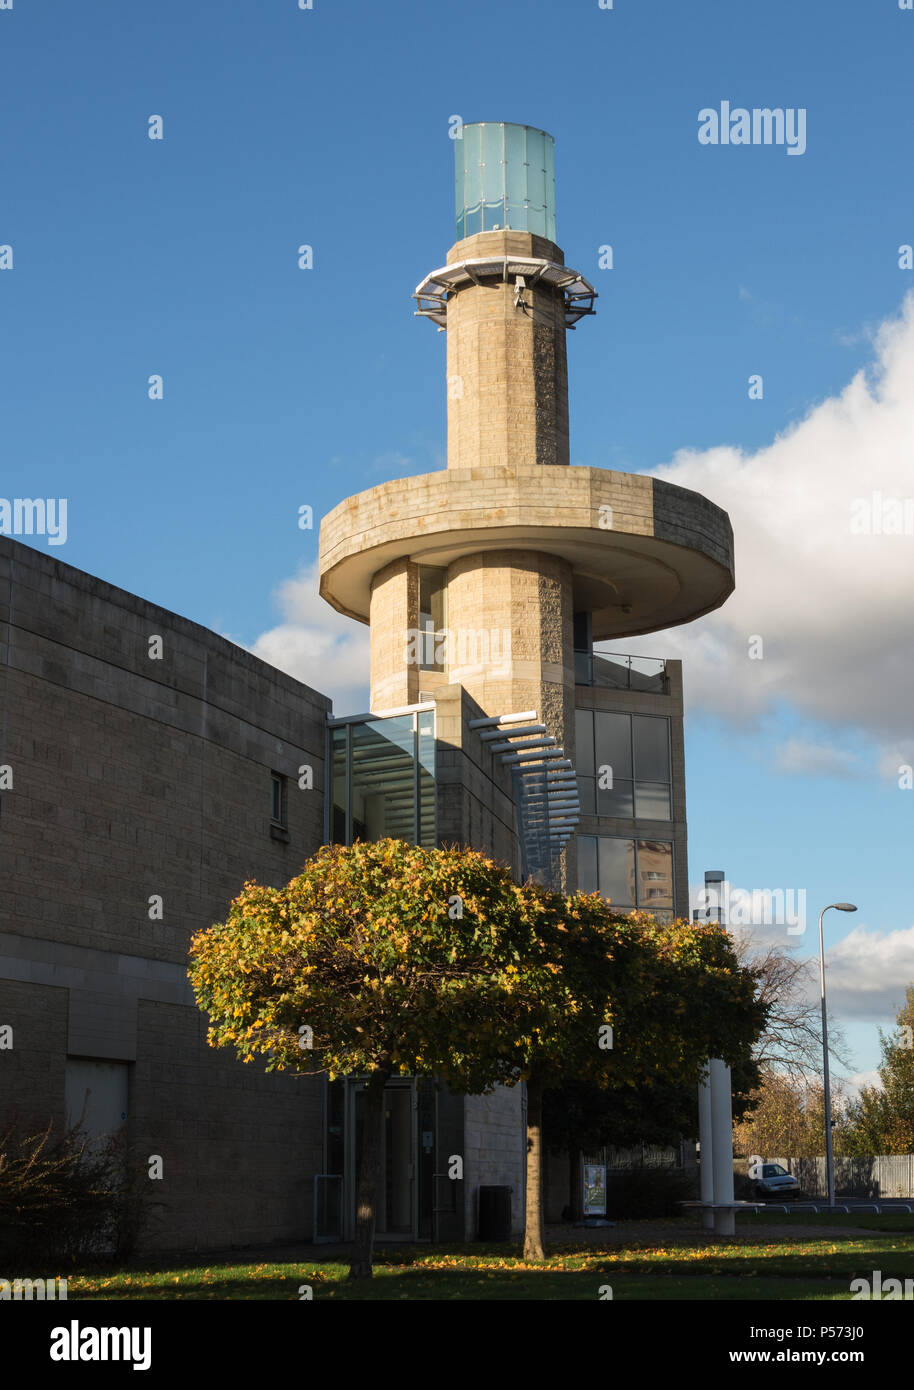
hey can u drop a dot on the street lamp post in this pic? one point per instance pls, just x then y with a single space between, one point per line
829 1157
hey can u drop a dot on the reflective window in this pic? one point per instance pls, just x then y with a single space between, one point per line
426 778
504 177
583 742
587 795
614 798
613 742
623 764
616 869
588 879
652 801
338 746
651 744
655 874
383 779
628 873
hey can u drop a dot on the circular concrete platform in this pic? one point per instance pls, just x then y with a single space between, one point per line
646 554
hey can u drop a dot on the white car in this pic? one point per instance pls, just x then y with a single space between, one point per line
775 1181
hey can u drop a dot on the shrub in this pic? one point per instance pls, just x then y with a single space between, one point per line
65 1199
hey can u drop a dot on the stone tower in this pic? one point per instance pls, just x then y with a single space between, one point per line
492 573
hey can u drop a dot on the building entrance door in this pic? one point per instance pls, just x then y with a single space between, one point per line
397 1212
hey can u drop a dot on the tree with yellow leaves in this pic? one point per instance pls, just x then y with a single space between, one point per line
386 958
378 960
624 1003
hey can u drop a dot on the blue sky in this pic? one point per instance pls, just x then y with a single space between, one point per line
285 387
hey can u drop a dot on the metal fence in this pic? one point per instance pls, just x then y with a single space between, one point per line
882 1175
646 1156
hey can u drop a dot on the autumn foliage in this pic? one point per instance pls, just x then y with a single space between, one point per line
387 958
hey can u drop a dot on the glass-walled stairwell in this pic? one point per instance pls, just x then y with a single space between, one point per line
383 778
382 785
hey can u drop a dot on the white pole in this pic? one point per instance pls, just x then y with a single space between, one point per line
829 1158
829 1152
722 1146
706 1170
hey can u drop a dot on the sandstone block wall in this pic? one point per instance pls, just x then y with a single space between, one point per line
494 1152
135 777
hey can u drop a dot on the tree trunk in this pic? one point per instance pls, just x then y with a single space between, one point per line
369 1174
574 1183
533 1234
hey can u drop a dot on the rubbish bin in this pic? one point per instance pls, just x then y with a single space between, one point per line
495 1213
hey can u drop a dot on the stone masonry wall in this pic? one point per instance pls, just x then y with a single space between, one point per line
135 777
494 1152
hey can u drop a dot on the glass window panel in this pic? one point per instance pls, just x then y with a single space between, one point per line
504 176
427 741
427 822
652 748
587 795
652 801
617 870
655 874
613 746
648 673
493 154
494 216
614 675
338 764
469 168
382 789
583 742
615 800
426 809
549 165
587 864
536 182
515 176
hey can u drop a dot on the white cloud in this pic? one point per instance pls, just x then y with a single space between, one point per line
853 1084
799 757
867 973
834 608
317 645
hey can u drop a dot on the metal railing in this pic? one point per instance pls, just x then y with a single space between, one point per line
615 671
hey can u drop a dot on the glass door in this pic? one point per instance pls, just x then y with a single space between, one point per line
396 1201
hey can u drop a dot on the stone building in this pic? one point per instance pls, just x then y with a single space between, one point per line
155 766
141 799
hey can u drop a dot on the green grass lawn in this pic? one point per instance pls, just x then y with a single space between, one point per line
752 1267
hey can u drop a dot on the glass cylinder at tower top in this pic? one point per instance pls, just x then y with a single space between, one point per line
504 178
